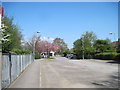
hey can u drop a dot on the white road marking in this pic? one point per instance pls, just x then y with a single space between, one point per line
40 80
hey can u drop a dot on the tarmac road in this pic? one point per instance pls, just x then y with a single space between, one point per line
64 73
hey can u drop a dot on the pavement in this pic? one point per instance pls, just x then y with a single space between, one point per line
65 73
30 78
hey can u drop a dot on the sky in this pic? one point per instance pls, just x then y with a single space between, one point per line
67 20
60 0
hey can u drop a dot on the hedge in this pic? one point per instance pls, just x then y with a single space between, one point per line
108 56
21 51
37 56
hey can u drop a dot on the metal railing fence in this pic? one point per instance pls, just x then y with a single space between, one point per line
13 65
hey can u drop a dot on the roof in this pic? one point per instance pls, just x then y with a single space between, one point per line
115 42
1 10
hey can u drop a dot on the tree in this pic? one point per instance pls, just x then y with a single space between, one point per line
45 46
84 45
40 46
103 45
15 35
54 47
62 45
88 41
32 44
77 48
118 48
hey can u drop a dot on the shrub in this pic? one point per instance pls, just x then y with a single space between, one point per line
108 56
118 56
21 51
37 56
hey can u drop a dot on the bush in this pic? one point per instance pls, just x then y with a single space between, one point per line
118 56
21 51
37 56
108 56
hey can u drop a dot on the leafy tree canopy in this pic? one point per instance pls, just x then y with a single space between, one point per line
84 45
63 46
103 45
15 35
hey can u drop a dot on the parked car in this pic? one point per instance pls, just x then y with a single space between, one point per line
68 55
72 56
64 55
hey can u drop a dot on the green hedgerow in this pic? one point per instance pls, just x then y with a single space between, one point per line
108 55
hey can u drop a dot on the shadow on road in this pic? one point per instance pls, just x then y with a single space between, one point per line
114 62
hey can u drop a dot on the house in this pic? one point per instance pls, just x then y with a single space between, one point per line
115 44
52 53
45 54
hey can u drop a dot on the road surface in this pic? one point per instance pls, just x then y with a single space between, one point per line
65 73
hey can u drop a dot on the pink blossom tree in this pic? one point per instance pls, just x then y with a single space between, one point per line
40 46
46 47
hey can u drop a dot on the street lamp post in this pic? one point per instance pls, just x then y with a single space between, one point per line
111 33
83 48
34 44
47 48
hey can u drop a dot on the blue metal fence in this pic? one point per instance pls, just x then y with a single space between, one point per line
12 66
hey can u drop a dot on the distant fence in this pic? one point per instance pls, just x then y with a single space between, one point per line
13 65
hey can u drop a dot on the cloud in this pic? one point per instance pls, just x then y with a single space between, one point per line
47 38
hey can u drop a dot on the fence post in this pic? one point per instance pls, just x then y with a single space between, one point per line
10 66
0 69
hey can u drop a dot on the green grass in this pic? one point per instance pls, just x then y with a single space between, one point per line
50 58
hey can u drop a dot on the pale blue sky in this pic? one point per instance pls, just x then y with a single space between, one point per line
67 20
